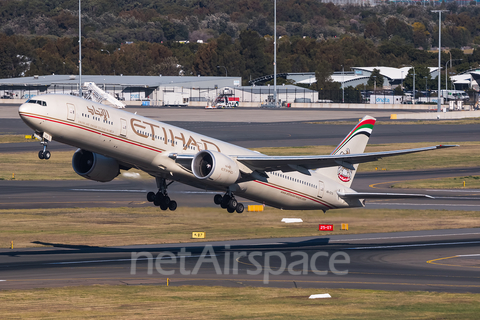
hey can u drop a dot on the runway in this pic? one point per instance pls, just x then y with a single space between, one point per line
284 134
438 260
123 192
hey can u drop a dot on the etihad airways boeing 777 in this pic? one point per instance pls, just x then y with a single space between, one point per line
110 140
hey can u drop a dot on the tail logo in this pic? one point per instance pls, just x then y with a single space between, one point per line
343 173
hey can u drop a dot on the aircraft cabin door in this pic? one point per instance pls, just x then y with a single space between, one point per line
123 127
321 189
71 112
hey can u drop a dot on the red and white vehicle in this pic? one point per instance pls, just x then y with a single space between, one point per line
226 99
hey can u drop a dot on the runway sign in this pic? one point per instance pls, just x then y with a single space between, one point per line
325 227
345 226
255 208
198 235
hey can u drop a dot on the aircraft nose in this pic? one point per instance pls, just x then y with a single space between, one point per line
24 108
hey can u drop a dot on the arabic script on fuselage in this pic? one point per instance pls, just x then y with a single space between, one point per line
98 112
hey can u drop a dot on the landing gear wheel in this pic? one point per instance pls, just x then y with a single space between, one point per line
161 198
225 201
217 199
151 196
41 155
163 206
47 155
172 205
230 210
158 199
232 204
239 208
166 200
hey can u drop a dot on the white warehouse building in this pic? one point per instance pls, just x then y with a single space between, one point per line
151 90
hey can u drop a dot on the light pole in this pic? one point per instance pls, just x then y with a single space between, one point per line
80 47
343 84
105 50
223 68
413 102
426 89
275 52
446 70
375 88
439 104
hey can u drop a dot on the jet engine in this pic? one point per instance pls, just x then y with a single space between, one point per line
215 166
94 166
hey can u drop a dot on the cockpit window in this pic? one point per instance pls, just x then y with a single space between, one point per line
40 102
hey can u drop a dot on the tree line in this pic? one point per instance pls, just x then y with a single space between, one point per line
150 37
250 56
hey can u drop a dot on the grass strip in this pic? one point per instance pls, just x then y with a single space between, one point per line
198 302
14 138
470 182
464 156
149 225
27 166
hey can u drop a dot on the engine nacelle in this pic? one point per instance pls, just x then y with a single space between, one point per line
94 166
215 166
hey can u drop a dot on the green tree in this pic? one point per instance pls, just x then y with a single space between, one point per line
252 49
323 75
375 77
421 72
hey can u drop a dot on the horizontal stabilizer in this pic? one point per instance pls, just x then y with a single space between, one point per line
373 195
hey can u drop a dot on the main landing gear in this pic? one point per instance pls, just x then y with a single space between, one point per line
228 202
44 154
161 198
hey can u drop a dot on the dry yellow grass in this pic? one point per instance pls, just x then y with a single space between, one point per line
150 225
27 166
13 138
466 155
196 302
470 182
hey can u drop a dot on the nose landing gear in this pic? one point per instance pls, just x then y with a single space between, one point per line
161 198
44 154
228 202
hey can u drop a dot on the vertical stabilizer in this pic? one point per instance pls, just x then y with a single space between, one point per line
354 143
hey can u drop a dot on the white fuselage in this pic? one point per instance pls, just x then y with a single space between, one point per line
146 144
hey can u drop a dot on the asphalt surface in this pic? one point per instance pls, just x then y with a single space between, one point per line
130 192
442 260
438 260
286 134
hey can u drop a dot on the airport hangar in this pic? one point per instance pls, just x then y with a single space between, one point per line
152 90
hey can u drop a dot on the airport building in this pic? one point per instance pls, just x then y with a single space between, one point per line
466 80
392 77
128 88
153 90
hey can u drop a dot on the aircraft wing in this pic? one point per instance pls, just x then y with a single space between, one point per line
374 195
303 163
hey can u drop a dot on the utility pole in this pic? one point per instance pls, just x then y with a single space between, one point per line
343 84
80 47
226 74
439 104
413 102
275 54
